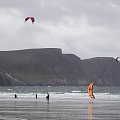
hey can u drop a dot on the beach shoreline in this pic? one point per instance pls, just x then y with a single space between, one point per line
75 108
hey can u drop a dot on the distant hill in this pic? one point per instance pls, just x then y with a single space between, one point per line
104 70
50 67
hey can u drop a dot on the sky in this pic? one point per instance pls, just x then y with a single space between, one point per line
86 28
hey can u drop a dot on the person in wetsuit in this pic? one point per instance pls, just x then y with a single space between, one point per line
47 97
16 96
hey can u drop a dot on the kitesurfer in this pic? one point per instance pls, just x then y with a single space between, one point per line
15 96
36 96
47 97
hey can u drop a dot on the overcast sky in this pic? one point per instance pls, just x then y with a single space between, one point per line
87 28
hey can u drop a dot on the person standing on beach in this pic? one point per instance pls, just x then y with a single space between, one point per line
36 96
16 96
47 97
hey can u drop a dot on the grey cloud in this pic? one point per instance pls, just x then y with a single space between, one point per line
87 28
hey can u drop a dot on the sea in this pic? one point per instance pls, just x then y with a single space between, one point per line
66 103
58 91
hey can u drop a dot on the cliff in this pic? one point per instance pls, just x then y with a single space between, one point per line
50 67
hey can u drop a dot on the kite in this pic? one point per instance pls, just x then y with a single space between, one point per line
117 59
32 19
90 90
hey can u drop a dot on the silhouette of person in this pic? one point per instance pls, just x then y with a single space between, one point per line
47 97
16 96
36 96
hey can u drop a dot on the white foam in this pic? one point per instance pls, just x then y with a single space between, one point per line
76 91
59 95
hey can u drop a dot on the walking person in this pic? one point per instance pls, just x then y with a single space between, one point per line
15 96
36 96
47 97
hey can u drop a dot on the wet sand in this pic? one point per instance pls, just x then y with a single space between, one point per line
59 109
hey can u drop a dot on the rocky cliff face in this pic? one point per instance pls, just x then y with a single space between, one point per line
103 70
6 79
51 67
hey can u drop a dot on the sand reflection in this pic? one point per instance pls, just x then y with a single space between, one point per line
90 110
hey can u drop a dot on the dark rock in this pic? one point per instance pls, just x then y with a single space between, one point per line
50 67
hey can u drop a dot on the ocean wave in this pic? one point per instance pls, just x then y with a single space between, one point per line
59 95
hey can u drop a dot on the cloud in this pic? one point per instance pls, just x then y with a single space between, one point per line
85 28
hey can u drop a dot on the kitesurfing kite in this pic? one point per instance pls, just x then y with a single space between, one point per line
31 18
90 90
117 59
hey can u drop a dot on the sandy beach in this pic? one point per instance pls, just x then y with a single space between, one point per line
74 108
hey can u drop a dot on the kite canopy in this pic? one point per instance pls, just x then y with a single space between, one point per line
90 90
32 19
117 59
